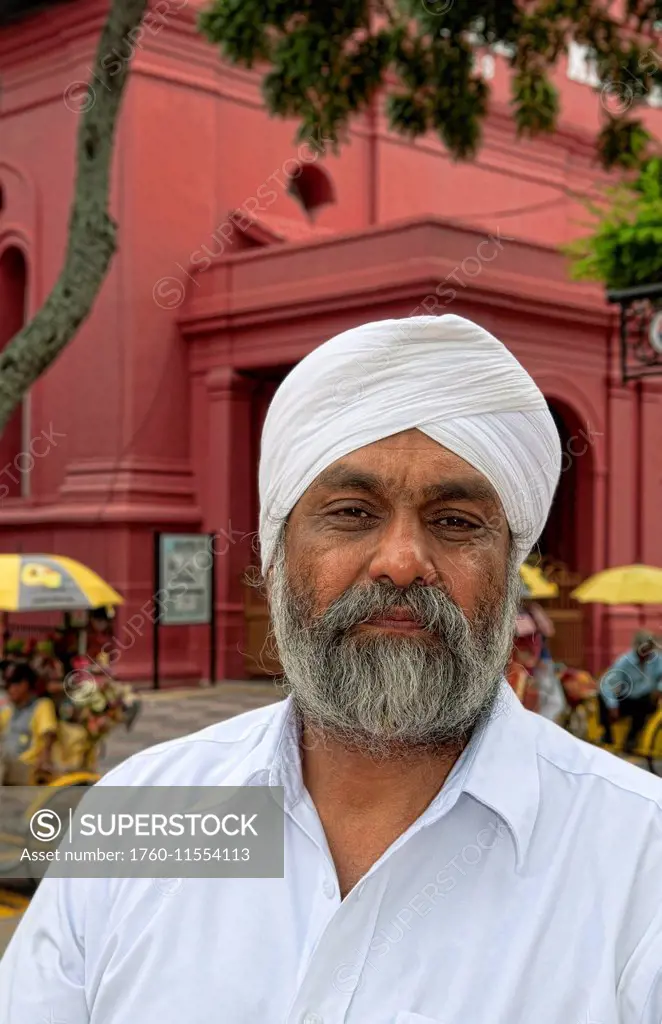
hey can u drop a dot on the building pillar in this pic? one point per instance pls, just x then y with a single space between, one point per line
619 622
649 502
596 533
228 512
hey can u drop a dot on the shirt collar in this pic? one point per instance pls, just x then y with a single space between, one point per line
275 759
503 773
498 767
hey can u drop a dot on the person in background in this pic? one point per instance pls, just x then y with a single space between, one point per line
523 659
553 703
99 633
28 729
631 688
65 645
46 666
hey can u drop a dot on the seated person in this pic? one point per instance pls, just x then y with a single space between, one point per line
28 729
631 688
553 703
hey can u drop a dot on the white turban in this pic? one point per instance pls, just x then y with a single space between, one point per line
444 375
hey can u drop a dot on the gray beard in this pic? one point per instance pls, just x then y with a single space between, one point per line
385 694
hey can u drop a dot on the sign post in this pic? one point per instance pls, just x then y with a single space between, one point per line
184 582
157 611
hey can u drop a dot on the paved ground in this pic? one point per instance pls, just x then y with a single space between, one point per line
167 715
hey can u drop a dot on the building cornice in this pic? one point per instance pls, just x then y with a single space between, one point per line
98 514
401 269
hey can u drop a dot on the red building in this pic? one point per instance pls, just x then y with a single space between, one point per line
239 252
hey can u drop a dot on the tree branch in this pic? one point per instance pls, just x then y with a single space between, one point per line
92 233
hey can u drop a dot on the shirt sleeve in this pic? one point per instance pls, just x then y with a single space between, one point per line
5 714
44 719
42 976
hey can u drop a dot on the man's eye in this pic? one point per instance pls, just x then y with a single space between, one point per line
351 513
456 523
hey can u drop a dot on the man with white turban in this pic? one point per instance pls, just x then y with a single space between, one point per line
450 858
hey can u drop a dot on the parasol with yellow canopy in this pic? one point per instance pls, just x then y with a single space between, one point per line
34 583
50 583
624 584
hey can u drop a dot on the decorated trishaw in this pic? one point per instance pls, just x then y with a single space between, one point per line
70 671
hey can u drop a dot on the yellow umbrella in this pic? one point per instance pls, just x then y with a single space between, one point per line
624 584
51 583
537 583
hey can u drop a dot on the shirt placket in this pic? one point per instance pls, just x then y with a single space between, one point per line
339 962
326 893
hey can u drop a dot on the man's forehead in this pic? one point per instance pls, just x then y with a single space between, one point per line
409 462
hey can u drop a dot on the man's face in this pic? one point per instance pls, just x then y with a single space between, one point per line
19 692
402 510
395 591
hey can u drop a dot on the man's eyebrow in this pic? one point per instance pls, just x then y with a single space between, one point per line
461 490
352 479
449 490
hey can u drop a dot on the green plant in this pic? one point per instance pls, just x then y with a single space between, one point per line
624 248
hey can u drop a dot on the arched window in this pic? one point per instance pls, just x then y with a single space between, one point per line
311 187
13 296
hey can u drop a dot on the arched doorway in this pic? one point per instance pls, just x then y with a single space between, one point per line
564 549
260 655
13 299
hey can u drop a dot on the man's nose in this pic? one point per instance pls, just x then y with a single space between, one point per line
402 555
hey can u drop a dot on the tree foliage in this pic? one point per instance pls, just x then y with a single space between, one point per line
625 246
326 61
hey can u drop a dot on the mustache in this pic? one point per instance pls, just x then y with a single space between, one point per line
434 610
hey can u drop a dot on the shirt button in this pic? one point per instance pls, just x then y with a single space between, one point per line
329 890
312 1018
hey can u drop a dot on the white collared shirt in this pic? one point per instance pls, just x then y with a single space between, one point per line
529 891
